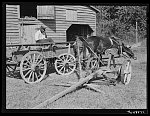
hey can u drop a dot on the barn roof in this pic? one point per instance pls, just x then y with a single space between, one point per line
94 8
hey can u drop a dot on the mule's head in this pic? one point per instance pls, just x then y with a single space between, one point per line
127 50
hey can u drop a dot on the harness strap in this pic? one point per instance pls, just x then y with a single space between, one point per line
121 48
111 41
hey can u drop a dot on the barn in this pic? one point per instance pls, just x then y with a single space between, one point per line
62 22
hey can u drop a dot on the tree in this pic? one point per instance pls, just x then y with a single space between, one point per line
121 20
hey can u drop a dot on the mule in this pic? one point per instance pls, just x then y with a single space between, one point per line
100 44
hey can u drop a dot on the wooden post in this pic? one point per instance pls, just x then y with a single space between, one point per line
79 60
109 61
136 32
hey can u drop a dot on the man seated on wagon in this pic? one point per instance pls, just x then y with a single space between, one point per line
41 37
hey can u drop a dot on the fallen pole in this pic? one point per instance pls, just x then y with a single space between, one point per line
68 90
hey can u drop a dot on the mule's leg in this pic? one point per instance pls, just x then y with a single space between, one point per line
84 57
75 51
113 60
100 58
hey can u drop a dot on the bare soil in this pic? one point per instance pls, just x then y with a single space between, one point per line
20 95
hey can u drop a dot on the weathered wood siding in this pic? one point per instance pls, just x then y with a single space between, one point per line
85 15
56 27
30 27
12 25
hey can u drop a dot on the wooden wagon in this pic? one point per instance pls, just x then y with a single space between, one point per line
33 60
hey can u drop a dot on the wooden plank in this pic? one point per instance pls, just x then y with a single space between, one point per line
11 6
12 34
40 44
12 31
12 27
11 13
86 16
88 13
8 22
60 17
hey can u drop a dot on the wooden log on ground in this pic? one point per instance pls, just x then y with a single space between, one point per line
91 86
68 90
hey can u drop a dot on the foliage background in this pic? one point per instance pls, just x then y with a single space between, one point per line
121 22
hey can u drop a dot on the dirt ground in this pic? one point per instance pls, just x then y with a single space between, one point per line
20 95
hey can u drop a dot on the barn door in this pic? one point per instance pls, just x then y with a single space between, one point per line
28 34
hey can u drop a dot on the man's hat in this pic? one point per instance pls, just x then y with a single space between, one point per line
41 27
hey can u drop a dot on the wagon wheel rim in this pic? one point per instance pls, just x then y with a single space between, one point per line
33 67
127 73
93 64
65 64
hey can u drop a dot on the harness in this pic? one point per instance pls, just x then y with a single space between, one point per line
111 41
113 50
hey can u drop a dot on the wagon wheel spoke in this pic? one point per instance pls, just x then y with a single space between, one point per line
39 61
33 58
27 73
93 64
29 77
26 69
60 60
36 76
71 64
37 58
70 59
26 64
32 76
28 60
60 65
70 68
64 69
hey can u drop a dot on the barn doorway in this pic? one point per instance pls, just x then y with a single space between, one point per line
78 29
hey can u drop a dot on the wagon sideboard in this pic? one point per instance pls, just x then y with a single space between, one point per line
62 22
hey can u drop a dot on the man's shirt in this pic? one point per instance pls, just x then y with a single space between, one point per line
39 35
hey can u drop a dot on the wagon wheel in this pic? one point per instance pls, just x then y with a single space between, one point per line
93 64
65 64
33 67
126 70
